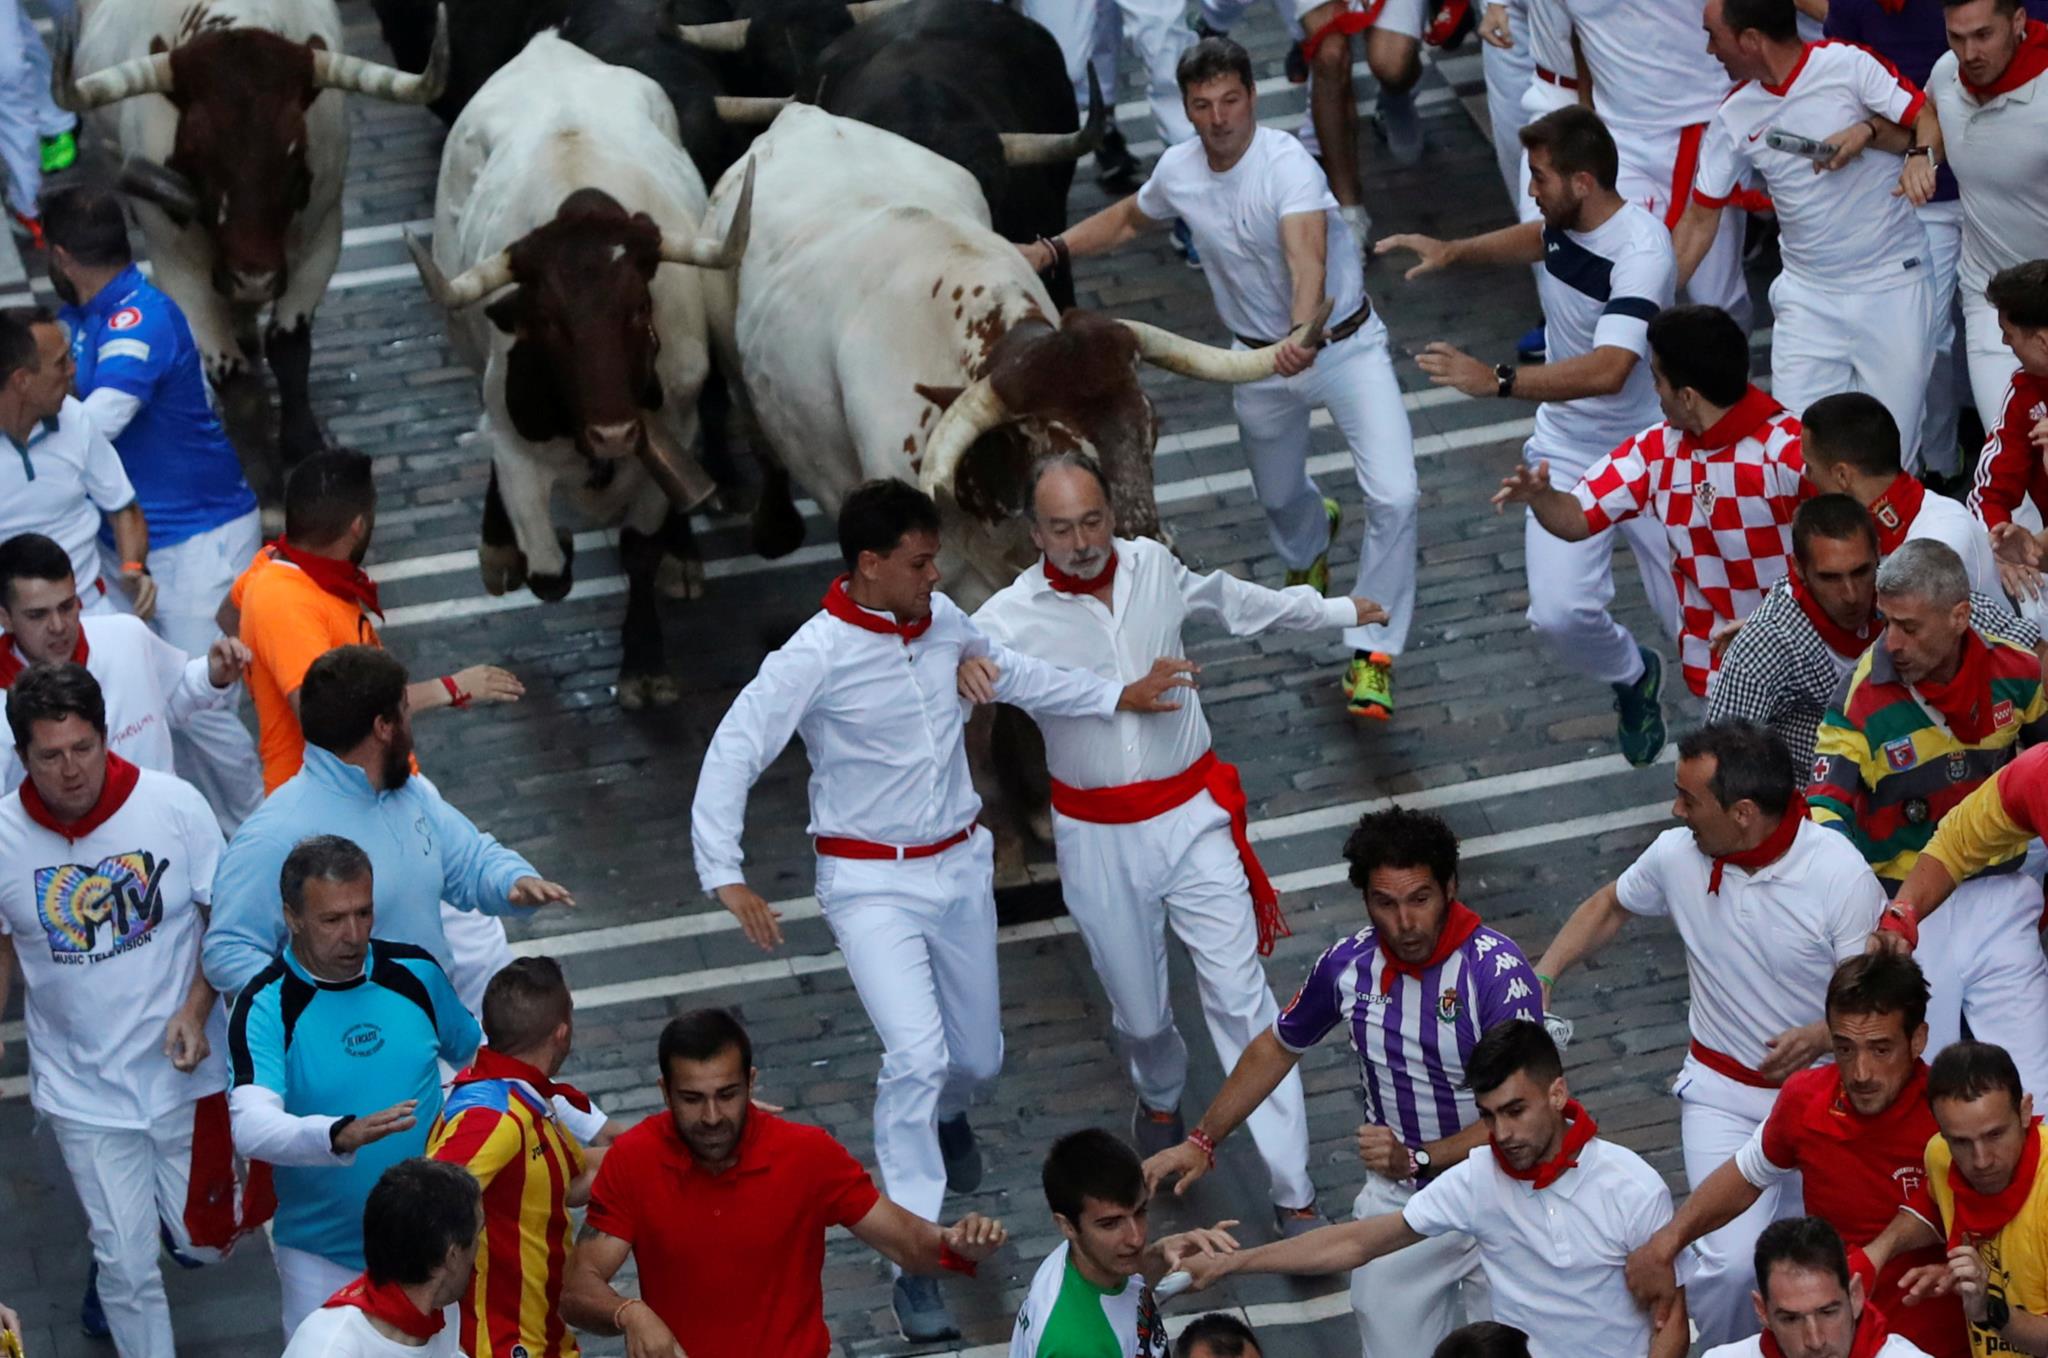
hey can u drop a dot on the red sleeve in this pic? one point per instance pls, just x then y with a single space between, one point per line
617 1190
840 1185
2006 465
2021 790
1779 1147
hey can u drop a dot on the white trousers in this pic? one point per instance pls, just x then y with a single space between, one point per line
213 750
1123 884
477 951
919 937
1825 341
1223 15
1943 223
1407 1301
1649 161
305 1281
1991 362
1982 955
27 113
1156 28
1508 73
1717 1117
130 1181
1353 380
1571 585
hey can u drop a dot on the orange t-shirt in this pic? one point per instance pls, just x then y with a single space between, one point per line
288 622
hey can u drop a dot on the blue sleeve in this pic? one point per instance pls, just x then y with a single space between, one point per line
247 927
1505 981
455 1025
134 359
1315 1009
477 872
256 1041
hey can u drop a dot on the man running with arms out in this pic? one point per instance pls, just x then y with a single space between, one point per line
1767 904
1423 970
1275 250
1607 271
1092 1296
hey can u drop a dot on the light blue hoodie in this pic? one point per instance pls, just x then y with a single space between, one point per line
422 852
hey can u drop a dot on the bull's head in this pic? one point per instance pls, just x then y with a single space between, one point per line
580 313
238 166
1076 387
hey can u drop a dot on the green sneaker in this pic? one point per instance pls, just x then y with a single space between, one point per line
1318 571
59 152
1641 721
1369 685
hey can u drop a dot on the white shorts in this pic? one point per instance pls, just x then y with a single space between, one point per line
1396 16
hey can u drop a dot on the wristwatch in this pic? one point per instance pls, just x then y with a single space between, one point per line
334 1132
1997 1312
1418 1163
1933 161
1504 373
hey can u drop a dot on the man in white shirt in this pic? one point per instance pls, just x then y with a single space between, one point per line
1810 1303
151 687
1853 309
1607 271
63 476
1767 904
422 1225
1150 825
1991 104
905 876
105 875
1262 214
1555 1211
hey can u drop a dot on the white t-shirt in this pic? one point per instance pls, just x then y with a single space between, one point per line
1950 523
1600 288
1549 35
345 1332
1999 152
68 476
1554 1257
1894 1346
1762 951
107 930
1235 220
1649 62
1844 230
150 686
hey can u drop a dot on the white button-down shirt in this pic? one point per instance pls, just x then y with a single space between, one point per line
1554 1256
60 485
1761 952
1154 595
881 720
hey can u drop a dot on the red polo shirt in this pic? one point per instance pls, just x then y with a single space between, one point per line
730 1262
1858 1172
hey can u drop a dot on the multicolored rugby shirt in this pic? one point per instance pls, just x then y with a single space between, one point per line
1887 767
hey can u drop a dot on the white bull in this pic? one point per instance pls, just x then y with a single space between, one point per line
566 201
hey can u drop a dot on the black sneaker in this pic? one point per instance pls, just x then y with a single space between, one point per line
1641 721
92 1317
921 1312
1115 167
962 1154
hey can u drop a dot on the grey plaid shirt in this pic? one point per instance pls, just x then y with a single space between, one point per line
1780 674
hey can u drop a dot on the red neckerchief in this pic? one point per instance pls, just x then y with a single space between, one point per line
1980 1216
12 665
1579 1129
491 1065
1837 1120
1742 419
840 605
342 579
1965 700
1459 925
387 1302
1074 584
1895 511
1871 1332
1837 638
121 779
2029 60
1770 851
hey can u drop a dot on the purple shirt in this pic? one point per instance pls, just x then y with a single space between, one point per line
1912 40
1412 1042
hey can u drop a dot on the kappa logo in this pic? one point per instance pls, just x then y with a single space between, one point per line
127 318
1900 754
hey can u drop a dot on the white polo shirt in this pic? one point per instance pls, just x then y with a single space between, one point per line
1999 152
1235 220
1760 953
1950 523
1844 230
345 1332
1155 596
1894 1346
107 930
1554 1256
1649 62
61 485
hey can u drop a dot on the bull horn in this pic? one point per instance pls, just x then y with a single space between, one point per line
142 75
470 286
339 71
706 253
974 412
155 182
1178 354
681 477
729 36
860 11
750 110
1052 148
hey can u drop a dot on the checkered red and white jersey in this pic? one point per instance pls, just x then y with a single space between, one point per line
1725 498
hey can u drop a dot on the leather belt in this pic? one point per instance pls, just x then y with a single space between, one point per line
1550 77
839 847
1342 330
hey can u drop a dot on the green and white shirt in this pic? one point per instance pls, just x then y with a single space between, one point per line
1066 1316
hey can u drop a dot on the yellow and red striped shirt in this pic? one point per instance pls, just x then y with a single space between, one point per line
505 1133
